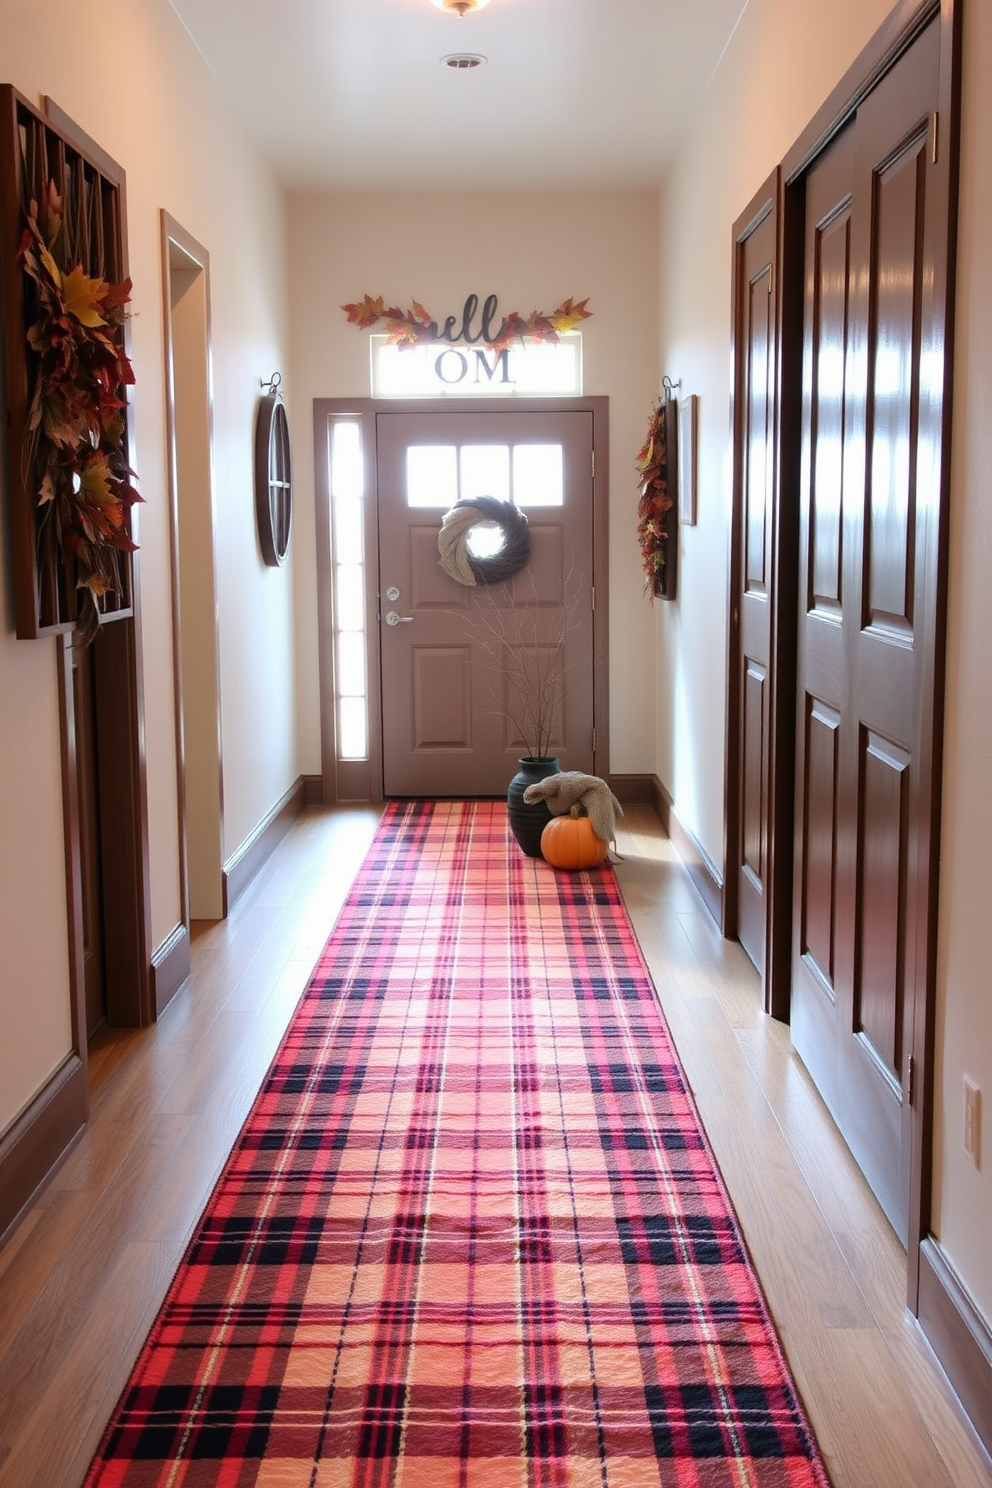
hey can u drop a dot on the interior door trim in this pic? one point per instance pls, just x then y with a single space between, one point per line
362 780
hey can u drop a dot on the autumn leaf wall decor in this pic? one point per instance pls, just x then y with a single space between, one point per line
416 326
656 524
79 371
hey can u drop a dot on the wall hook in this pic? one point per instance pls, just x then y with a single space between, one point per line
668 387
272 386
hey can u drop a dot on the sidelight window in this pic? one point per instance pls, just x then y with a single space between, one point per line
348 554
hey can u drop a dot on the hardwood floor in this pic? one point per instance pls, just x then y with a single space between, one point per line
83 1274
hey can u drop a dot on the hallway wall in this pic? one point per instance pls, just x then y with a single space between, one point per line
781 64
531 251
130 77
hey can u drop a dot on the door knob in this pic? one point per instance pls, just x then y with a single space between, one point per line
393 619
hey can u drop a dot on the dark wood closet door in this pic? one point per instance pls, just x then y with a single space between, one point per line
756 339
869 566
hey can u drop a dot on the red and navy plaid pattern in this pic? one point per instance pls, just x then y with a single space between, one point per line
471 1235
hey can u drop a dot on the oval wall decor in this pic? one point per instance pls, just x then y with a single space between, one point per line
273 478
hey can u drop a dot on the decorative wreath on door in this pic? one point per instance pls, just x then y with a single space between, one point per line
452 541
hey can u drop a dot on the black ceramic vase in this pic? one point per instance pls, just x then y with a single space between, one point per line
528 821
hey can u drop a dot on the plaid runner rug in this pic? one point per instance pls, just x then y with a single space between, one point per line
471 1235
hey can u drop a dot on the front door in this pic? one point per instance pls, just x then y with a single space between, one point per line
452 656
870 504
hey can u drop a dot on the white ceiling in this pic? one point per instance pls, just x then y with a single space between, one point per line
351 94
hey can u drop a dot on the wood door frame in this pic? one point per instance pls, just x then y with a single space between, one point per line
120 752
895 36
362 780
174 234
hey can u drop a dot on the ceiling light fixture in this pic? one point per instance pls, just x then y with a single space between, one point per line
463 60
459 8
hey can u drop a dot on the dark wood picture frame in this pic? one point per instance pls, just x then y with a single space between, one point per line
34 150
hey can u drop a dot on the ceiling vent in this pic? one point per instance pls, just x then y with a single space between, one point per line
462 61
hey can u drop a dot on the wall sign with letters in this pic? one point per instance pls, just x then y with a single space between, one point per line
479 353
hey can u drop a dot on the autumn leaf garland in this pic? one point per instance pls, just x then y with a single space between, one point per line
76 415
416 327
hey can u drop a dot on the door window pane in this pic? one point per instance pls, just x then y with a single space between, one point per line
349 535
351 664
485 471
432 475
347 545
350 579
538 475
347 477
352 729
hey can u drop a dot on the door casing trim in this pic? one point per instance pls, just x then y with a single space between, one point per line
362 781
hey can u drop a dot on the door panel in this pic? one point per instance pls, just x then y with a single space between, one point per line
868 566
830 294
430 587
818 880
757 392
893 390
441 694
755 774
449 657
879 990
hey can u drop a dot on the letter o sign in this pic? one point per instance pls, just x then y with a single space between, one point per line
440 364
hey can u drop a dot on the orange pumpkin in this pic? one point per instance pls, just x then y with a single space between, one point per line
570 842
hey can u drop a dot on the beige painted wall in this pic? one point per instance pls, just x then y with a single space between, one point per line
531 251
780 66
963 1210
162 118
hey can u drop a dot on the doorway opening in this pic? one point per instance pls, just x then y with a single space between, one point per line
411 656
196 668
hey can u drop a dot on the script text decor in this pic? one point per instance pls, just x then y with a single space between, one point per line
417 327
455 556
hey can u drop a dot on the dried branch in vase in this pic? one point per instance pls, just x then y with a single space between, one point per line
525 646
